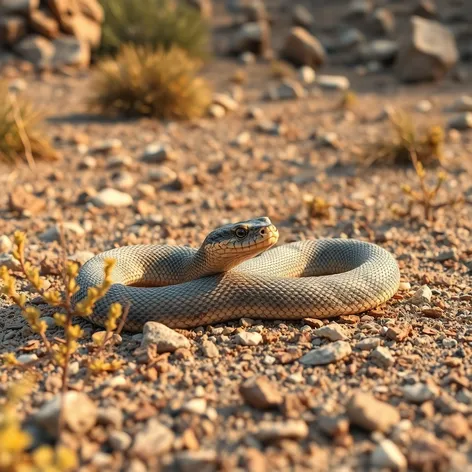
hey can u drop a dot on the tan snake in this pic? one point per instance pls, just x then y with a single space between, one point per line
184 287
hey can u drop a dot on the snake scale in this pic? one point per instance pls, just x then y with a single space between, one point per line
237 273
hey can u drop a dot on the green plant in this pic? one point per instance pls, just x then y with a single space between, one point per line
155 23
20 136
395 149
159 83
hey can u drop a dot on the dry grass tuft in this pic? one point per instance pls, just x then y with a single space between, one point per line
159 83
155 23
428 146
20 133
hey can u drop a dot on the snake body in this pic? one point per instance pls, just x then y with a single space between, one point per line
184 287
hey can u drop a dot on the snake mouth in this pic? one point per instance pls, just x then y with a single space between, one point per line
264 241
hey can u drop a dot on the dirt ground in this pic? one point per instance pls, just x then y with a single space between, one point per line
422 368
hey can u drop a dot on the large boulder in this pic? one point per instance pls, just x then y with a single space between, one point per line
427 52
303 49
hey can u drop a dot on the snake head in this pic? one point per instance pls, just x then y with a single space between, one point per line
231 244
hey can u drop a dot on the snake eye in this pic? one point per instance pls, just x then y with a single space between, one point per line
241 232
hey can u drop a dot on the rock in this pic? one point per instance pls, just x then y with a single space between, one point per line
5 244
427 52
333 332
119 440
325 355
84 29
153 440
110 416
301 16
348 39
225 101
120 161
163 174
203 460
333 82
80 413
382 357
157 153
81 257
367 344
70 51
25 7
108 146
110 197
359 9
165 339
196 406
216 111
365 411
462 104
382 22
9 262
36 49
455 425
44 23
27 358
382 50
422 296
63 10
461 122
123 180
268 431
210 350
19 200
333 426
247 58
260 393
12 29
70 230
302 48
425 9
248 338
306 75
443 256
387 455
87 163
419 392
427 452
252 37
287 90
424 106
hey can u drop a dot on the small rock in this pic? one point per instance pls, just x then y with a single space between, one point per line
80 413
313 322
424 106
112 198
120 161
153 440
27 358
81 257
268 431
367 344
301 48
123 180
163 174
216 111
333 332
334 82
248 338
119 440
449 343
462 104
9 262
247 58
382 22
306 74
455 425
22 201
419 392
388 455
287 90
252 37
157 153
333 426
110 416
165 339
325 355
88 163
260 393
225 101
54 233
209 349
422 296
36 49
70 51
201 460
382 357
366 411
461 122
108 146
5 244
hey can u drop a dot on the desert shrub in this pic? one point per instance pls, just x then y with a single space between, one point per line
157 23
20 133
143 81
404 137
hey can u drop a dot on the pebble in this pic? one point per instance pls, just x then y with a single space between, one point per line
216 111
165 339
248 338
462 104
225 101
163 174
197 406
422 296
107 146
327 354
112 198
367 344
119 440
153 440
5 244
333 332
268 431
203 460
54 233
449 343
382 357
419 392
110 416
455 425
210 349
120 161
334 82
461 122
446 256
123 181
27 358
365 411
81 257
247 58
306 74
424 106
88 163
333 425
387 455
260 393
157 153
404 286
80 413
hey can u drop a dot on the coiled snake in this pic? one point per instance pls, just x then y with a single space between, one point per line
223 280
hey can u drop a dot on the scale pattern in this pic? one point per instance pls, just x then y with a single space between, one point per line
320 279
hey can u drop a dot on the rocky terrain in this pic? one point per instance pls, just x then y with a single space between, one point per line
385 390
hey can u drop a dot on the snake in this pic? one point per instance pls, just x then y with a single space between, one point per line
239 272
